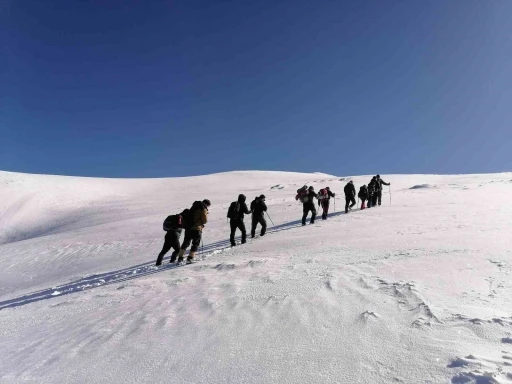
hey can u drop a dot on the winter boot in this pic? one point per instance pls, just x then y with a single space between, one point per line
190 258
180 256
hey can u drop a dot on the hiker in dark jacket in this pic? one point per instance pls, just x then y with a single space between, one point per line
350 195
371 191
194 229
309 205
379 184
236 213
258 209
363 195
172 240
324 202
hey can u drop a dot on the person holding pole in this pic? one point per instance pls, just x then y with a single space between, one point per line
324 197
258 209
379 184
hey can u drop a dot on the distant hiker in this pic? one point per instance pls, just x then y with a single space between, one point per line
194 223
379 188
308 204
236 213
363 195
375 194
371 191
350 195
172 225
324 196
258 209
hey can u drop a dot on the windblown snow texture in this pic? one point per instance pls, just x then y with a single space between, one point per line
415 292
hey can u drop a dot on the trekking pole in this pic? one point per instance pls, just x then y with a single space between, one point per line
334 203
202 248
389 186
270 219
358 202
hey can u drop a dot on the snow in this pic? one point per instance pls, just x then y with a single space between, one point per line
419 291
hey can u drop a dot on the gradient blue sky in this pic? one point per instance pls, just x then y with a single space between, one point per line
133 88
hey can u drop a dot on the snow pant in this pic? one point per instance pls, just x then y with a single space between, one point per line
379 197
348 200
258 219
362 203
325 208
306 208
192 236
374 199
237 224
370 198
172 240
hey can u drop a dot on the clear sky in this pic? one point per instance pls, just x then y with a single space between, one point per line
133 88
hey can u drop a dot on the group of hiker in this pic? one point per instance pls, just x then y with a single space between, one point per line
371 194
193 220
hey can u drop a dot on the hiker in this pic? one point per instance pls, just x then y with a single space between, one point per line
379 188
236 213
308 204
371 191
324 196
350 195
363 195
172 225
197 218
258 209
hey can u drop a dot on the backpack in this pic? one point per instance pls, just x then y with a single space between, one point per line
363 193
175 221
187 217
302 194
233 210
322 194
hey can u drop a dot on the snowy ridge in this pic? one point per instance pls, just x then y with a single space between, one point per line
416 292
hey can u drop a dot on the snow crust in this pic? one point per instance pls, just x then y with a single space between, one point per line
417 291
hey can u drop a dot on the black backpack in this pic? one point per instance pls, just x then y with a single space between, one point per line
175 221
234 210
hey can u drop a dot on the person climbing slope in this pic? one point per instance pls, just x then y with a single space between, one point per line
258 209
324 197
350 195
173 226
371 191
363 195
379 184
194 224
308 205
236 213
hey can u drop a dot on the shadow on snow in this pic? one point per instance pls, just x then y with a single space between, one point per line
130 273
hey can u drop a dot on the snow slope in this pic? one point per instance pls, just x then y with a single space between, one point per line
419 291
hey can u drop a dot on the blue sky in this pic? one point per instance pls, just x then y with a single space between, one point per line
134 88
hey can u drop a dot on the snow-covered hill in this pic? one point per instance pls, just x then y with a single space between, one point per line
419 291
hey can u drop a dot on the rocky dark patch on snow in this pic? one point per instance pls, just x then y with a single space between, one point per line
423 186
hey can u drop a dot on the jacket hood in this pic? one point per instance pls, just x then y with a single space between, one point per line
241 198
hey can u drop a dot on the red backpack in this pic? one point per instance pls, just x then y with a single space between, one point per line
322 194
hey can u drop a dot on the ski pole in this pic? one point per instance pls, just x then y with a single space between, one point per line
334 203
270 219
